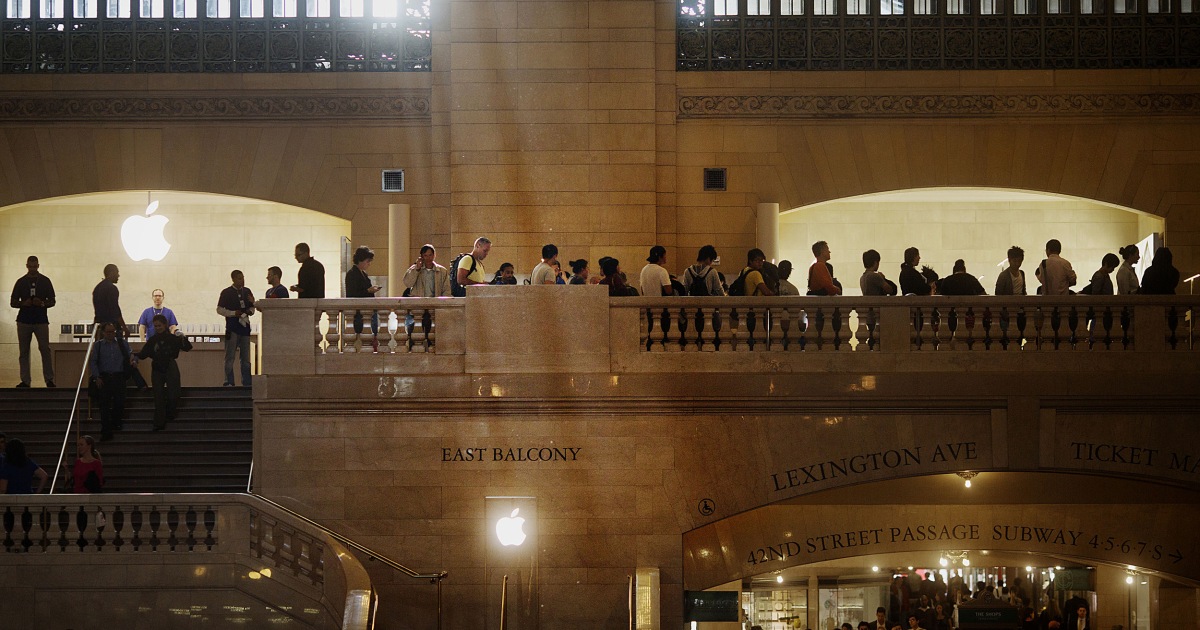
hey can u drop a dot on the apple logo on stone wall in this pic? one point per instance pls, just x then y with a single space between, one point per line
510 529
142 236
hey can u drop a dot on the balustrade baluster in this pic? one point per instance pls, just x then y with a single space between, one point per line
644 328
862 334
101 524
936 331
1056 327
118 526
756 323
135 522
1127 328
81 525
952 321
1172 329
802 330
26 525
155 522
992 339
690 329
674 326
708 329
776 319
1012 333
420 332
384 333
739 334
172 527
189 521
210 526
44 522
9 523
1106 322
841 341
917 322
873 329
332 338
352 323
1078 337
64 525
823 336
404 322
319 337
656 321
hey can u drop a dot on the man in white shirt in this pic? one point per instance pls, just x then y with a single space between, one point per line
1055 273
655 280
785 272
544 272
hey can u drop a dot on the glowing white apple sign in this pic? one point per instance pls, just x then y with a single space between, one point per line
143 236
510 529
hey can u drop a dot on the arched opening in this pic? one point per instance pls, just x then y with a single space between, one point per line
977 225
208 235
834 557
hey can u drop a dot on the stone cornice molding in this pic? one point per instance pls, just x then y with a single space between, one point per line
818 106
306 105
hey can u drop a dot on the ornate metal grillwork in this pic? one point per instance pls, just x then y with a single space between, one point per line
139 44
935 42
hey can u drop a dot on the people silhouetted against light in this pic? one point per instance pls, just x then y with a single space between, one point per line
1011 280
310 280
236 305
1127 279
960 283
911 280
109 360
1055 272
820 277
872 282
1161 278
1102 283
275 290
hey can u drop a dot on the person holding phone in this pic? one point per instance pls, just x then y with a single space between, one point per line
359 285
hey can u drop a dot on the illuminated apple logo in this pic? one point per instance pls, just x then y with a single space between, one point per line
510 529
142 236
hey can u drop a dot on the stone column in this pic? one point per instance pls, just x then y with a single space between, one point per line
768 230
398 246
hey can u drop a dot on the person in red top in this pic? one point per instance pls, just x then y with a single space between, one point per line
86 462
820 282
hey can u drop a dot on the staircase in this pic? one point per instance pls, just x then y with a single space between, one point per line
206 449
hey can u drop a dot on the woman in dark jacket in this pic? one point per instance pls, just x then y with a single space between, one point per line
911 280
163 349
358 285
1162 277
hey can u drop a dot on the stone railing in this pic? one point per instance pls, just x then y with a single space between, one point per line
176 542
581 329
942 323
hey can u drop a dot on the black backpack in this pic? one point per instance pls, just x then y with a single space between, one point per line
739 286
699 286
456 289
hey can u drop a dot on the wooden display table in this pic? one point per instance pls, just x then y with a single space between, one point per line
204 366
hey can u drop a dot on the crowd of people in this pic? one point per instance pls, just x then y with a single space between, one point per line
760 277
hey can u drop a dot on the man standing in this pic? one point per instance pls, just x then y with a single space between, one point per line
752 277
277 290
880 622
820 281
32 295
544 272
106 299
701 279
146 321
236 304
1055 273
960 282
1078 619
872 282
467 269
655 280
310 281
1011 281
109 359
785 272
426 278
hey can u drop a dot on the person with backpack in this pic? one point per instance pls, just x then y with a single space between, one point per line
467 269
700 279
751 281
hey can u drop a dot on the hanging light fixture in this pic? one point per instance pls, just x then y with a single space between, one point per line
967 476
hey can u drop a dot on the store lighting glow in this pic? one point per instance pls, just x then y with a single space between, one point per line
779 579
943 561
1029 569
966 562
1129 579
875 569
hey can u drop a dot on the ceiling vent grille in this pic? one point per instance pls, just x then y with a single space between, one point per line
393 180
714 179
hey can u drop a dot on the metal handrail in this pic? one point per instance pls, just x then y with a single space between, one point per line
434 578
74 406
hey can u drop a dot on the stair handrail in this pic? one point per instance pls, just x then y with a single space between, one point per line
74 407
434 578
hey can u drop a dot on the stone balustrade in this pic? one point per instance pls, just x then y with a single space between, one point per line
181 541
581 329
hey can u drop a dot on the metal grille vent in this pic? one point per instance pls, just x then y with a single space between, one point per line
393 180
714 179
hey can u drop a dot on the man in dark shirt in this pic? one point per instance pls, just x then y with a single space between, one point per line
108 363
106 298
32 295
310 282
960 282
236 304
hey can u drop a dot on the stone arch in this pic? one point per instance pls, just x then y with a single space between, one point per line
1132 524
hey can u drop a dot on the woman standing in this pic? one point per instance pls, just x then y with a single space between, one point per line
358 285
163 349
1127 280
581 271
911 280
1101 283
88 473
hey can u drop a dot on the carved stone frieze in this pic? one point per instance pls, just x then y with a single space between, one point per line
935 105
309 105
